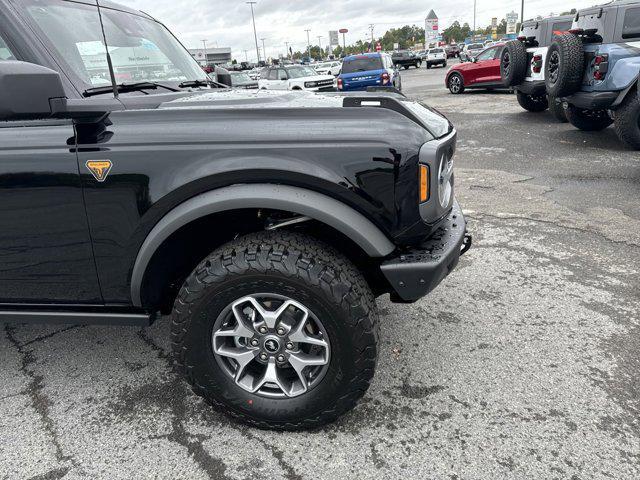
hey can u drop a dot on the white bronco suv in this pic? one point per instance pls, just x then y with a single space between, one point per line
295 77
523 60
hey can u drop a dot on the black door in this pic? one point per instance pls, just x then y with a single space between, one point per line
45 247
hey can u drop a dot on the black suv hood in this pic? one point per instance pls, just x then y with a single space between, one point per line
432 121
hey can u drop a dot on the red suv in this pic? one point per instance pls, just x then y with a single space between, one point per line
483 71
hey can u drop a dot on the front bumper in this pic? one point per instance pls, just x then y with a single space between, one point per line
415 273
534 88
592 100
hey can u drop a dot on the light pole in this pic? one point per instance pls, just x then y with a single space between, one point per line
320 45
371 28
255 35
286 44
474 20
522 13
246 56
264 50
204 44
308 45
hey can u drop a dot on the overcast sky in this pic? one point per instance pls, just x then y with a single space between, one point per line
227 23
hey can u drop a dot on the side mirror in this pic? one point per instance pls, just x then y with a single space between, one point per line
27 90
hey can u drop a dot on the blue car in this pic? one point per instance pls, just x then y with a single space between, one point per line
368 70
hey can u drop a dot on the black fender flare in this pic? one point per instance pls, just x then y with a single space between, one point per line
278 197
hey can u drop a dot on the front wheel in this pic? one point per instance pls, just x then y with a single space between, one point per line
588 120
627 120
277 330
455 84
533 103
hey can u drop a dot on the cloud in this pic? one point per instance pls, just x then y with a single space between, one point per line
227 23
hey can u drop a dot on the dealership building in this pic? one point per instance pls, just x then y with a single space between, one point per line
215 56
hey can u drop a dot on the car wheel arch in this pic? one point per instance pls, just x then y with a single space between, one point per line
301 201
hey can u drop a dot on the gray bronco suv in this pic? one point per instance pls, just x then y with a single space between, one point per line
594 69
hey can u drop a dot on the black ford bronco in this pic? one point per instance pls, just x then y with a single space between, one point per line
264 224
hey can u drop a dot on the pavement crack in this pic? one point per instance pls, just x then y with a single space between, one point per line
289 471
35 391
214 467
55 474
50 335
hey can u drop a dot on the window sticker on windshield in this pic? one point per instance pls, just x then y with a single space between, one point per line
149 45
88 49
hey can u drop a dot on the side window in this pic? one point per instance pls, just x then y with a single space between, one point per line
273 75
559 28
498 53
487 54
631 25
282 74
5 53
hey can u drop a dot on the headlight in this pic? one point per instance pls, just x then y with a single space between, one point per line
310 84
445 180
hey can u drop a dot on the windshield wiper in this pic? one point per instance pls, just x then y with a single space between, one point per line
127 87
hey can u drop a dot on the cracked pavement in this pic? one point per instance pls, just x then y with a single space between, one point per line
523 364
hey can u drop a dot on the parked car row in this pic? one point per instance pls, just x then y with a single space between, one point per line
585 69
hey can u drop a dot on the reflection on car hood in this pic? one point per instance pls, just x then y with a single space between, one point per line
256 99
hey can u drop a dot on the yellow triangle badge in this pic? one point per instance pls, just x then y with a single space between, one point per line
99 169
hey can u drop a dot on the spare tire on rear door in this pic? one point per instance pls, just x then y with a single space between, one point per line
564 67
513 63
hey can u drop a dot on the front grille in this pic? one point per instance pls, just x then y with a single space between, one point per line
325 83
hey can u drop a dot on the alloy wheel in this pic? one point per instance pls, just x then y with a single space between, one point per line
271 345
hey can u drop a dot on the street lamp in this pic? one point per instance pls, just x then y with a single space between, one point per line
474 20
264 50
522 13
286 44
320 37
255 34
204 44
308 45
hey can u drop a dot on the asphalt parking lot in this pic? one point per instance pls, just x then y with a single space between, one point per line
523 364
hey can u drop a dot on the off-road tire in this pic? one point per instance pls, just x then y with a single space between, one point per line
451 88
531 103
513 63
627 120
564 66
304 269
588 120
557 109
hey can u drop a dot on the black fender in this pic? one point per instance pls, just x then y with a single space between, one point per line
278 197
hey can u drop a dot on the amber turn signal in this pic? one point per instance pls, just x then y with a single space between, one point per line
424 183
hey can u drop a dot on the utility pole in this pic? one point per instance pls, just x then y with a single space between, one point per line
286 44
308 45
320 45
264 50
372 45
246 56
204 44
255 34
522 13
474 20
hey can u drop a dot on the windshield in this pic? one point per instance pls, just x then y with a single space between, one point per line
475 46
238 78
362 64
141 49
436 50
298 72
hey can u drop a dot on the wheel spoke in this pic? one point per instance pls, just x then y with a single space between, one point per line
242 357
270 376
298 335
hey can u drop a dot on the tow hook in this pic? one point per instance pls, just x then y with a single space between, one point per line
466 243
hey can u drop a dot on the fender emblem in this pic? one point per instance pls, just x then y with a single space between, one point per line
99 168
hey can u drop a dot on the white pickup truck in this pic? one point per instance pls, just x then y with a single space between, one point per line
295 77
